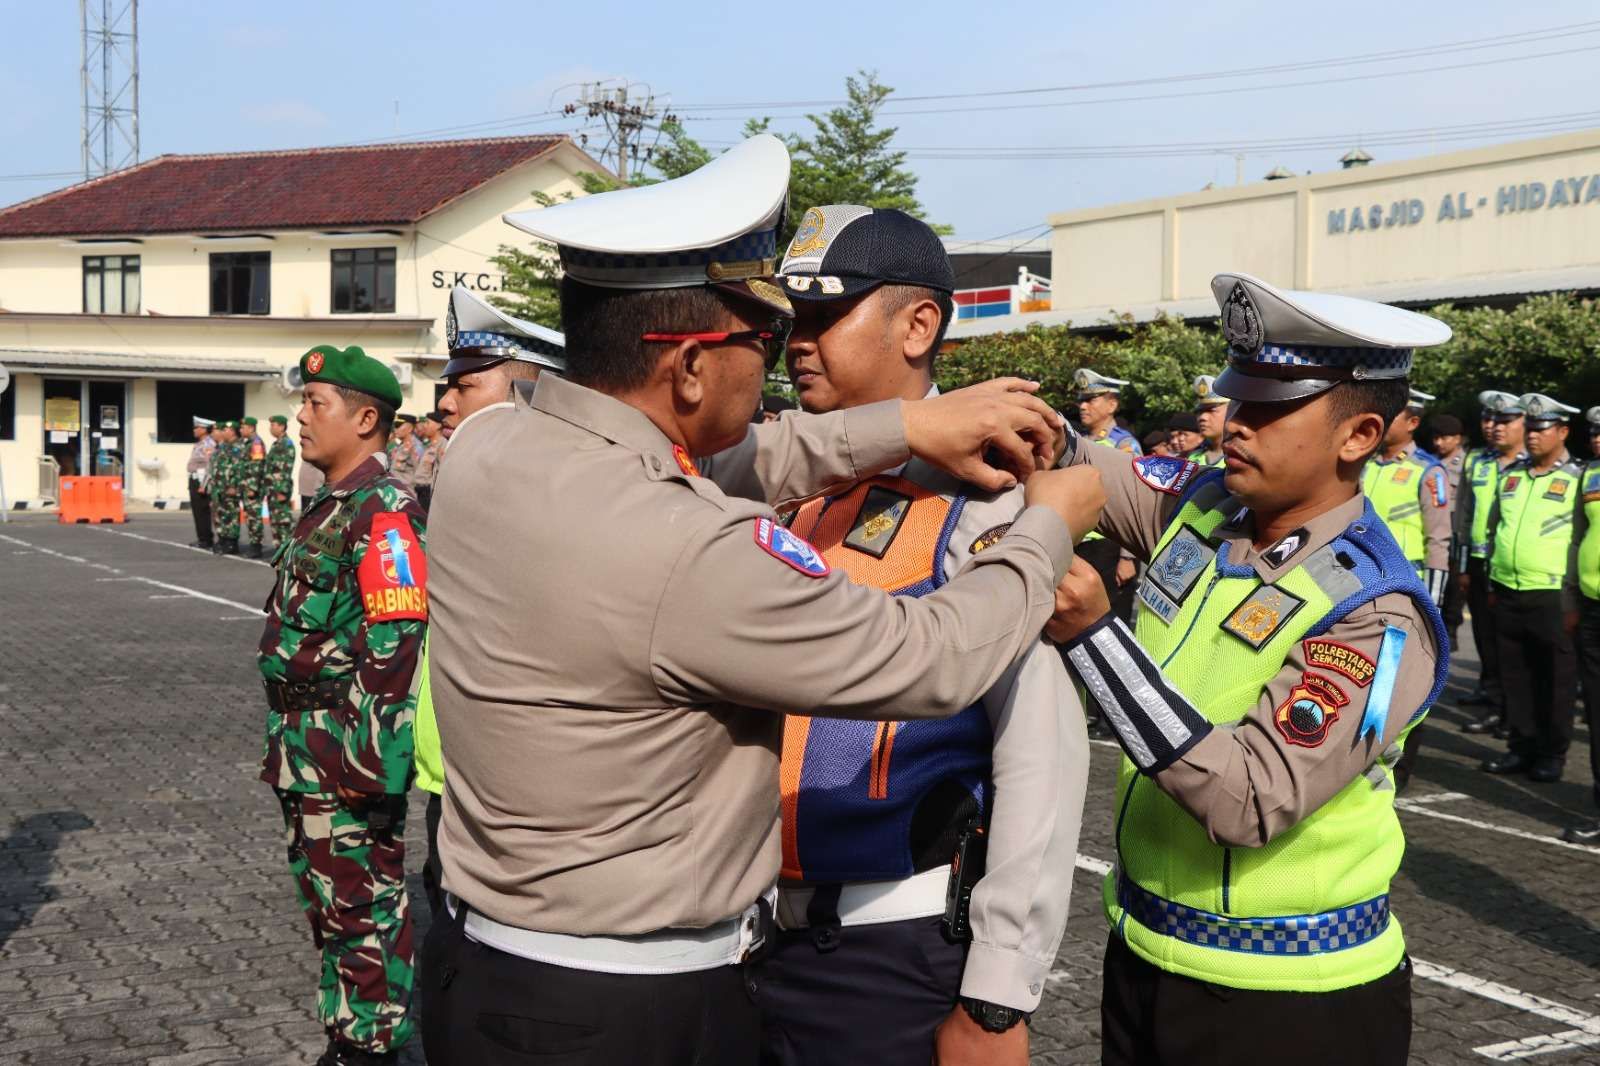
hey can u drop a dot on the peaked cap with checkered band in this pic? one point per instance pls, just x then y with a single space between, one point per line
1287 345
480 335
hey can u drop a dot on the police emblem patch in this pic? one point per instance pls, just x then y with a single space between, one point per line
1309 711
1166 473
808 238
882 512
451 332
1558 489
989 538
787 548
1402 475
1510 485
1262 614
1241 323
1179 565
1340 658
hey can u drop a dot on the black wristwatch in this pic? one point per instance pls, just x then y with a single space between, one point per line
992 1016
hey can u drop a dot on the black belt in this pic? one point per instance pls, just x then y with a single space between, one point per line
288 697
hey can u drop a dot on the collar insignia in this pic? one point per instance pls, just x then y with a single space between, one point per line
1285 549
882 513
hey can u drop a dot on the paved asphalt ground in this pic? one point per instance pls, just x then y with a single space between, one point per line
146 915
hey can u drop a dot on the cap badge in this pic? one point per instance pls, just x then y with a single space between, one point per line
808 238
451 331
314 363
770 293
1241 322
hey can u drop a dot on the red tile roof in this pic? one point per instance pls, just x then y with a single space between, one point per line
312 188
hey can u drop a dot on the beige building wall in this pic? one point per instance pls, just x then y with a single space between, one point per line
41 308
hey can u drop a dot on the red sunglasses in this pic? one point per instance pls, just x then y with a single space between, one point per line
774 338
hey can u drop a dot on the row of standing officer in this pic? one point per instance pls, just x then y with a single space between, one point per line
231 467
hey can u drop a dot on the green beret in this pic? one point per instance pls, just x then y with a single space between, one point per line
282 420
350 368
248 420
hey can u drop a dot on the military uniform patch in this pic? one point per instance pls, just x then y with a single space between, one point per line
1402 475
1510 485
1166 473
989 538
882 512
787 548
1309 711
1340 658
1262 614
393 575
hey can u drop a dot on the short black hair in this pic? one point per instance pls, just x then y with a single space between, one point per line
899 297
522 370
1384 397
355 399
604 326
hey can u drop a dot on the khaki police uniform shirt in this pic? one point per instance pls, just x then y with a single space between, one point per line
1244 783
1040 773
1436 517
609 640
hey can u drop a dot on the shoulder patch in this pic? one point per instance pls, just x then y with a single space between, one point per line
989 538
788 548
1309 711
1340 658
393 575
1165 473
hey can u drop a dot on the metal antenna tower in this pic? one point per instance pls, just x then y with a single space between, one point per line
109 72
628 110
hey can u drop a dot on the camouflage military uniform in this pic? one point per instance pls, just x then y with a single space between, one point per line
345 623
252 488
278 481
225 491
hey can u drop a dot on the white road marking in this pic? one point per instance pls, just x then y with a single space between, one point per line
1585 1031
167 596
1435 797
176 544
1412 807
255 612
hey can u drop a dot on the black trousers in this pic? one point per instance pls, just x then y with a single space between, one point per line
1104 555
1589 670
432 870
1149 1017
200 509
1453 606
1483 626
1538 671
487 1008
876 999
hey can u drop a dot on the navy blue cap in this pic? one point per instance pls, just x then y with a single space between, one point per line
845 250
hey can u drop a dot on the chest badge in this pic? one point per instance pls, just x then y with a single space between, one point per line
881 515
1174 572
1262 614
989 538
1558 489
1402 475
1509 488
1591 486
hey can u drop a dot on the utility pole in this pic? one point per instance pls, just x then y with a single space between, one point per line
108 70
628 110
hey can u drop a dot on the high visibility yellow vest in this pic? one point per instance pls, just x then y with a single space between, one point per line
1534 532
1396 490
1589 547
425 735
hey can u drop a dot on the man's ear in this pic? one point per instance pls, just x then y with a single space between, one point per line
687 365
1363 434
921 329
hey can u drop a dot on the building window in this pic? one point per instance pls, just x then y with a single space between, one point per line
241 283
8 413
111 284
363 280
178 402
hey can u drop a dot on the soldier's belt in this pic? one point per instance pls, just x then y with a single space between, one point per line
289 697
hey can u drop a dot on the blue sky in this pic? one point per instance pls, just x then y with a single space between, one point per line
228 76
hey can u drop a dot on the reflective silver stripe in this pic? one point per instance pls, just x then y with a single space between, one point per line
1095 682
1405 510
1149 699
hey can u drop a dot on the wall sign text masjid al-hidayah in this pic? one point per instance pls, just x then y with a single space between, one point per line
1454 207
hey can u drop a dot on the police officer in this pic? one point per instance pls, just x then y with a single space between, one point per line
427 468
344 628
870 964
402 448
491 353
1503 433
250 474
1446 437
1533 591
1211 413
1098 399
1284 648
1586 535
1410 490
1183 433
199 462
613 632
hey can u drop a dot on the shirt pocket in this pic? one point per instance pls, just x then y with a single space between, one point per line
307 586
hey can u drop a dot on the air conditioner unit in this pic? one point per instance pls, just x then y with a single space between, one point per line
289 379
402 373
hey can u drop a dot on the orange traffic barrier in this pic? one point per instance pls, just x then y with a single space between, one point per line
91 499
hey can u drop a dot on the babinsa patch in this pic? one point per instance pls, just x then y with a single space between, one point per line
989 538
1262 614
393 575
790 549
1340 658
1309 711
882 512
1168 473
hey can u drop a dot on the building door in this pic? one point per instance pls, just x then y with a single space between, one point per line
86 425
